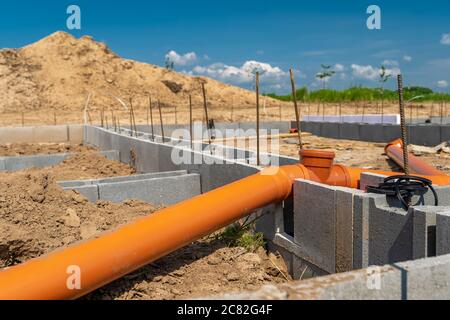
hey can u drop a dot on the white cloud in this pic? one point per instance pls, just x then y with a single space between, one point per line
181 59
338 67
391 63
445 39
442 84
260 52
371 73
243 74
407 58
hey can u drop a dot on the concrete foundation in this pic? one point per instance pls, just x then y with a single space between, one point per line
41 161
419 134
42 134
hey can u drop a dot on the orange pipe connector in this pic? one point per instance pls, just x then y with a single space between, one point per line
75 271
394 151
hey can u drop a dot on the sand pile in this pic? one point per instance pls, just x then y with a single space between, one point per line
59 71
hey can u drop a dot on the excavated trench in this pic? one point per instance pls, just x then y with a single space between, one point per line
38 217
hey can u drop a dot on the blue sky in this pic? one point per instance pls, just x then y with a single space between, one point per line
219 38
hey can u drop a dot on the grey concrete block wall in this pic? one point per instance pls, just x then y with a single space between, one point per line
374 133
443 232
425 279
137 177
445 133
157 191
329 130
349 131
42 161
42 134
425 134
165 188
154 157
390 233
315 223
424 232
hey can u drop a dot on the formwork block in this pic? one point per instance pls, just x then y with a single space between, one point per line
370 180
361 231
391 132
426 279
330 130
76 134
159 191
424 232
266 221
111 155
306 126
344 228
21 163
445 132
372 133
349 131
390 233
374 283
51 134
90 192
316 128
2 164
425 135
75 183
16 135
443 232
315 223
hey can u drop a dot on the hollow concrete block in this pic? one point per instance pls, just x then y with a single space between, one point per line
391 132
390 233
159 191
349 131
330 130
315 223
76 134
425 134
443 232
445 132
372 133
16 135
51 134
88 191
424 232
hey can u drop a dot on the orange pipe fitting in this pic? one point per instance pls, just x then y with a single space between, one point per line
75 271
394 151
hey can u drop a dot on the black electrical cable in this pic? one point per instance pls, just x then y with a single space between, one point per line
404 188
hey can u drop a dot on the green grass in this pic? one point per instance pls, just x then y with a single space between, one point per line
238 235
363 94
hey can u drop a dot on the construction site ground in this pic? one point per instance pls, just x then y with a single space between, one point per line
38 217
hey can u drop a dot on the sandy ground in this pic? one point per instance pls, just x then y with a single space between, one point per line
37 217
178 113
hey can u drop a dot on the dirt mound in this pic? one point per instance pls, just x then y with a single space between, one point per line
38 217
59 71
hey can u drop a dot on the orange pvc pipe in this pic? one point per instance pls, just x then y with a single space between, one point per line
116 254
113 255
394 150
